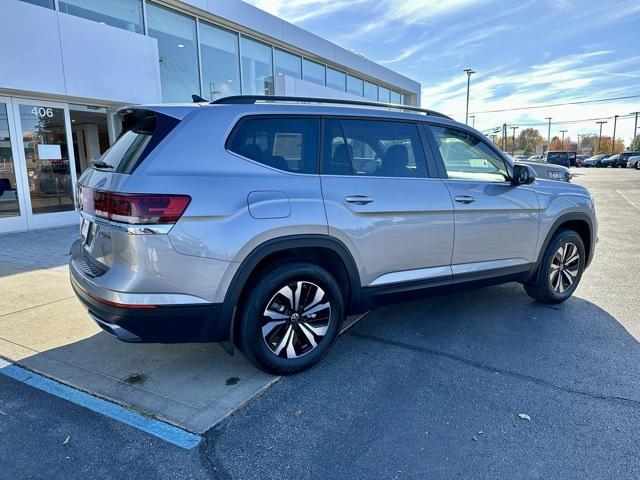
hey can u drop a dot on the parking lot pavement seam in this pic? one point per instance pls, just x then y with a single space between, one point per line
487 368
37 306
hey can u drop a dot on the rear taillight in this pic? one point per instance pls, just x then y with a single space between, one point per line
132 208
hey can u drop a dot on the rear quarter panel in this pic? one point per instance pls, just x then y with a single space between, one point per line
218 223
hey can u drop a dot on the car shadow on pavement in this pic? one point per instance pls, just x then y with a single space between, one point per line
479 384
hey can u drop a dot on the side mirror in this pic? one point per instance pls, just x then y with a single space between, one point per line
523 174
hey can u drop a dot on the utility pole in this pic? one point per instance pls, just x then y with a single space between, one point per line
562 144
513 143
613 142
504 137
578 146
599 136
635 130
549 133
469 72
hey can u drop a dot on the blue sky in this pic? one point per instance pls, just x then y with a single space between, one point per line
526 53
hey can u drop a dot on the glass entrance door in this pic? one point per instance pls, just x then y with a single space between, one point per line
47 156
12 211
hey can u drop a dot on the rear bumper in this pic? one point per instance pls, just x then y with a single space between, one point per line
156 323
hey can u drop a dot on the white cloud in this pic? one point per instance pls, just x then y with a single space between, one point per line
296 11
573 77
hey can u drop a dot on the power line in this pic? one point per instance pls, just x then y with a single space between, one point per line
565 122
581 102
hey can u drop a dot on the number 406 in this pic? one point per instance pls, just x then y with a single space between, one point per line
42 112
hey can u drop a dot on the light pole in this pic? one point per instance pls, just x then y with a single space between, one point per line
578 146
469 72
473 120
599 136
513 142
613 142
562 144
549 133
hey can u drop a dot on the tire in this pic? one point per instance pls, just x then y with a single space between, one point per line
557 285
282 343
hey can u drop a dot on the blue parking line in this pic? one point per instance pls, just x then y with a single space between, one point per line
162 430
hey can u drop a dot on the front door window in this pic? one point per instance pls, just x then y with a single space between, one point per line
46 154
9 206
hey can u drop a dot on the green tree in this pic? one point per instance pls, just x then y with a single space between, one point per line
528 139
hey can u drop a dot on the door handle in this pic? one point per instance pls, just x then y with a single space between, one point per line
464 199
358 199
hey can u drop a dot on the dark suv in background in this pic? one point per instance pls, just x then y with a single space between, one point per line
557 158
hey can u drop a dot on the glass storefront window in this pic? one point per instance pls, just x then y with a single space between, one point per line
176 35
371 91
287 63
395 98
220 62
354 85
384 94
40 3
9 206
336 79
125 14
313 72
46 153
257 68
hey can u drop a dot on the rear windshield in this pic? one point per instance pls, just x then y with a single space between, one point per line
126 152
143 131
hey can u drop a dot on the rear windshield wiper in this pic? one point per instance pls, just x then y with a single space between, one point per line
100 164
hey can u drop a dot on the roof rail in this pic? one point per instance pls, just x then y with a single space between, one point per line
249 99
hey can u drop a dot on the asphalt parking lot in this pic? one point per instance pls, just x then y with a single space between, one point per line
478 384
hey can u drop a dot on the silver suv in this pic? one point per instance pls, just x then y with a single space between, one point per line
262 222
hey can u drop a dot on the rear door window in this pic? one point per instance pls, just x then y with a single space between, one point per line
378 148
286 143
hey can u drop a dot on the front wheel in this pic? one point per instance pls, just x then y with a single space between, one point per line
291 318
560 270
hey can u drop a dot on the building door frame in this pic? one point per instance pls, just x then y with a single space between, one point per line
43 220
18 222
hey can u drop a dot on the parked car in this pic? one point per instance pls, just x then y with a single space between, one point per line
549 171
595 161
634 162
262 222
610 161
557 158
535 158
624 158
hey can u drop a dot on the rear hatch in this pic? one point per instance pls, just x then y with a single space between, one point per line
107 214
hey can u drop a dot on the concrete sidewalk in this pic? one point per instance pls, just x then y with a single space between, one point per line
44 328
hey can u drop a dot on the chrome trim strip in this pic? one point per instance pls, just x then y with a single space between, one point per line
131 229
474 267
412 275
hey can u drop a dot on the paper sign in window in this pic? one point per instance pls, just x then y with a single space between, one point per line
49 152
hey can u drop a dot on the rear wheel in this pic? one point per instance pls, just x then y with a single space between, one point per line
560 270
291 318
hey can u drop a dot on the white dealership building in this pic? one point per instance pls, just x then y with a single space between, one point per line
68 65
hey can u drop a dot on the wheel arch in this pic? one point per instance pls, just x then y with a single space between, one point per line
581 223
324 250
